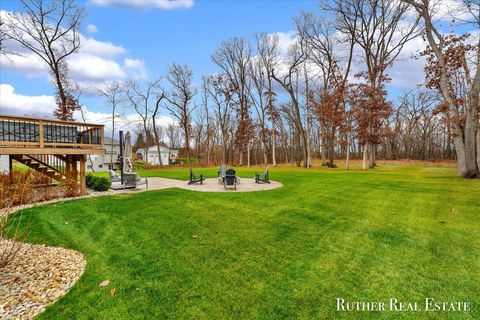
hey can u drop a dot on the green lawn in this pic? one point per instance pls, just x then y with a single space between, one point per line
404 232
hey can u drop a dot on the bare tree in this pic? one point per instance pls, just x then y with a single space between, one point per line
51 31
233 57
260 98
221 90
209 130
141 98
268 51
327 51
297 56
113 95
174 135
380 28
179 97
156 132
450 56
3 37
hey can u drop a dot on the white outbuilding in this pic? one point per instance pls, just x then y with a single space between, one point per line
167 156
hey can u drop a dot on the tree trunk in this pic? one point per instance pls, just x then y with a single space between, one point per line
460 153
208 149
225 147
478 147
470 144
248 154
157 142
365 151
61 92
272 113
146 141
265 157
372 156
302 135
324 150
187 145
331 151
274 156
445 90
347 158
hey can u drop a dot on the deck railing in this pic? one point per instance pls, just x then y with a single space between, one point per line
18 132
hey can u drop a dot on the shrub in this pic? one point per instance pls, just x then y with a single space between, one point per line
138 165
101 184
90 180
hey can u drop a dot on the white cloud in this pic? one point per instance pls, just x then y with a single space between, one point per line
85 67
100 48
285 41
91 28
95 63
135 69
146 4
408 70
13 103
26 63
446 10
18 104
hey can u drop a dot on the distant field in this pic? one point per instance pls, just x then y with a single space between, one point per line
402 231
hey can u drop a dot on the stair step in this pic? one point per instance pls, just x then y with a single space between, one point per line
38 165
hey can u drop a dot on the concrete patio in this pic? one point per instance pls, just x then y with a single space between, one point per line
210 185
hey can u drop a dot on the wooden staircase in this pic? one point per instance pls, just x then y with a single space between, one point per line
53 166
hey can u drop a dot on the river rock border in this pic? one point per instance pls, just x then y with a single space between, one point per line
37 277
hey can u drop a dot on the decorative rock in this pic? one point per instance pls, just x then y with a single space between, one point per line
37 277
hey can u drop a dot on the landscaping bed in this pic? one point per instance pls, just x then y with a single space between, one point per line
37 277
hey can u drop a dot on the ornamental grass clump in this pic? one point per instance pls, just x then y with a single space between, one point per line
11 235
22 187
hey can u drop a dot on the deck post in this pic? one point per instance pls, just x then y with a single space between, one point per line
75 171
67 165
42 135
83 181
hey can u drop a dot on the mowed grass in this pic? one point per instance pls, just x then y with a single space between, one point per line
404 232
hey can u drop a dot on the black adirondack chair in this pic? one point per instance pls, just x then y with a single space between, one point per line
230 179
194 179
262 178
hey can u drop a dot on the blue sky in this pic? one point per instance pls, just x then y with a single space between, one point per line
123 40
157 37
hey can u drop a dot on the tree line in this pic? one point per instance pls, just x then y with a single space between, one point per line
326 97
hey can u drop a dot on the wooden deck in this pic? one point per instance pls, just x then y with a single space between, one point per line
55 148
21 135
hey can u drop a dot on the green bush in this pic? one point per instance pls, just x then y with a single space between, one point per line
101 184
98 183
90 179
138 164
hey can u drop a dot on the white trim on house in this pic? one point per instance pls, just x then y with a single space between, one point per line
167 155
101 162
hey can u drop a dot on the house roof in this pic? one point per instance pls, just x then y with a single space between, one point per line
154 149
